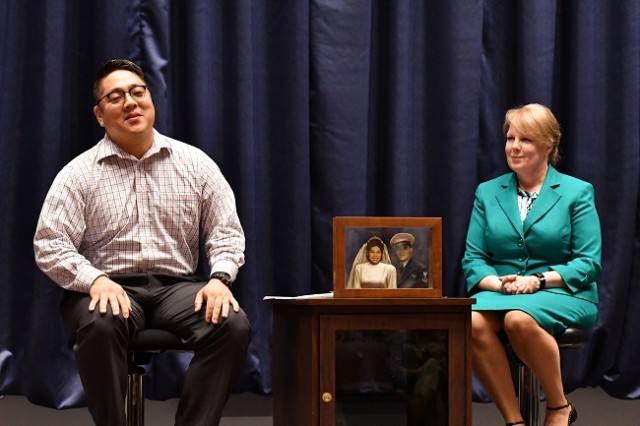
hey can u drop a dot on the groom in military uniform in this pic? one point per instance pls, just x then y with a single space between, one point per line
411 273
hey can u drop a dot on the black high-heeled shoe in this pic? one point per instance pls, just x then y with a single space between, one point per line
573 414
521 422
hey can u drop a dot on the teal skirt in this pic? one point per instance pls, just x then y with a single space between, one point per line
554 310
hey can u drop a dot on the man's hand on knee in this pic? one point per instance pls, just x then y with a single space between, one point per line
218 298
103 291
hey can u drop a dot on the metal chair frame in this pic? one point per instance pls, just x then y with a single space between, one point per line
146 343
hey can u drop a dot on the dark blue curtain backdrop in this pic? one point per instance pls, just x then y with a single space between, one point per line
315 109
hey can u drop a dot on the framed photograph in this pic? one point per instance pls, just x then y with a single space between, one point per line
387 256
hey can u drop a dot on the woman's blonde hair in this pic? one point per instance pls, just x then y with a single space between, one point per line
539 123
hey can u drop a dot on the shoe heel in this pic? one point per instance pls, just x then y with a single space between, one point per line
573 415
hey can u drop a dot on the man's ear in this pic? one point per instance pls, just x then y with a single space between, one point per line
99 116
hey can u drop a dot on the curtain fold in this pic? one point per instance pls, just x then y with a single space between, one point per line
316 109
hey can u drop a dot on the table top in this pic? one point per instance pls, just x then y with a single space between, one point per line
327 299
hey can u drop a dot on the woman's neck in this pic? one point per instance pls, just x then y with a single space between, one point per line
533 182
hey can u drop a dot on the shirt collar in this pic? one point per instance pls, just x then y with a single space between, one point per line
107 148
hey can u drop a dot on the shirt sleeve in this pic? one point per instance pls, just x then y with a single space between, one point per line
222 231
584 267
392 277
59 233
475 261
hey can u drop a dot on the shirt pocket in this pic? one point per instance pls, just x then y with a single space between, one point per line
176 212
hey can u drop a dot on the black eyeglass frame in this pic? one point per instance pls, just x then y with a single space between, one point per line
125 92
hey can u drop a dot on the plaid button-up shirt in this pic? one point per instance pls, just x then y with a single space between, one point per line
109 212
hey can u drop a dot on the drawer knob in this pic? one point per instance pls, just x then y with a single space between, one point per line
327 397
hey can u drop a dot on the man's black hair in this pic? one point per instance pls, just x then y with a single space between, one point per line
111 66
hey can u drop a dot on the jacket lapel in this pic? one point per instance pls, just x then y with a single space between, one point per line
547 198
508 202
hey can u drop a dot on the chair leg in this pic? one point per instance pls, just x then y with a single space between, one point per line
528 395
135 398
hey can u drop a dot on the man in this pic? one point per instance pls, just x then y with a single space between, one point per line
411 273
119 231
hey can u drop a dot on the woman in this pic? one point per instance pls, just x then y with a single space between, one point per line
372 267
531 262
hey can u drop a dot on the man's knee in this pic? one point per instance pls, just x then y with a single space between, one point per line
106 326
239 328
232 332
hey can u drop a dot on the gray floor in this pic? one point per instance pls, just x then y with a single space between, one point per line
594 406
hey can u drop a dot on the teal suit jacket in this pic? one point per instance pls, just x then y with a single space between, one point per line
561 233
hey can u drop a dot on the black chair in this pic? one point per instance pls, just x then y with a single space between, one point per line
146 343
528 386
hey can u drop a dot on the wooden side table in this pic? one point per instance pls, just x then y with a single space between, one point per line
315 338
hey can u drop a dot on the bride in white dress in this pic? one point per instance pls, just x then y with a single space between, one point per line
372 267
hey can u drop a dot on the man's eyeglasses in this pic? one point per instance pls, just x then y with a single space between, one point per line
117 96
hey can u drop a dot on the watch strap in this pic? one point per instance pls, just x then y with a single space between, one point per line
543 280
222 276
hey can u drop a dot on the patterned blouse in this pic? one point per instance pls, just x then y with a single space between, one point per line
525 201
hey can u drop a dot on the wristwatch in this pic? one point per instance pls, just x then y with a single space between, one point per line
543 280
222 276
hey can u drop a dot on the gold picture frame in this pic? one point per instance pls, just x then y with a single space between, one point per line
423 235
